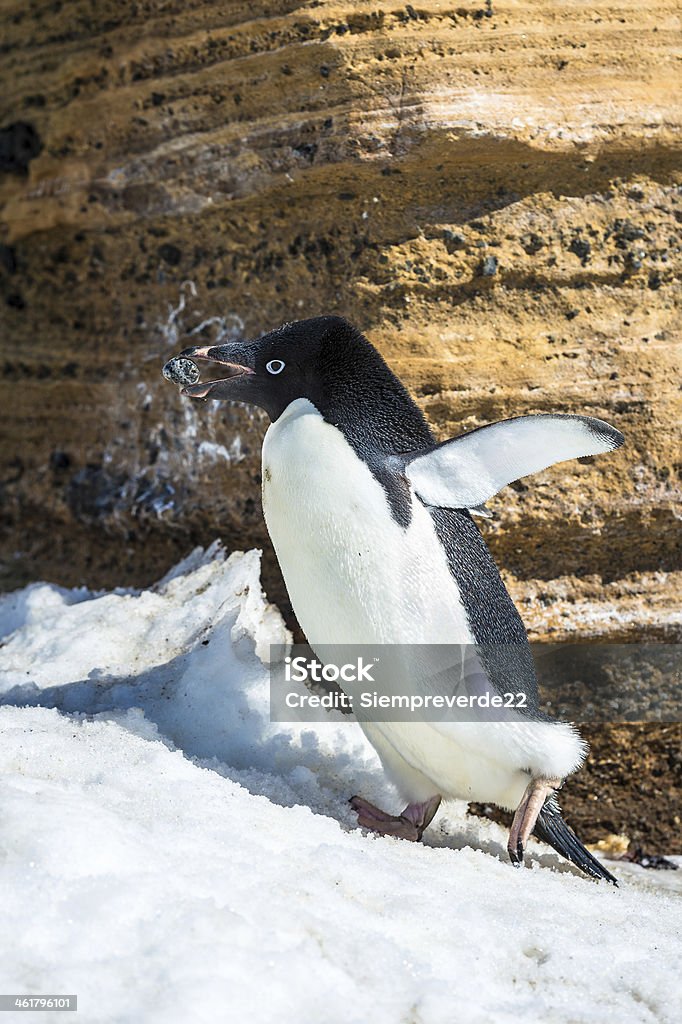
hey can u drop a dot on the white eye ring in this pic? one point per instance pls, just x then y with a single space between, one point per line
275 366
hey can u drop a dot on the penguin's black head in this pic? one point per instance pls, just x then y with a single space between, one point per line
275 370
328 361
324 359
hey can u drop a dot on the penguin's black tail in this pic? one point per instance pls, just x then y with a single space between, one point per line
551 828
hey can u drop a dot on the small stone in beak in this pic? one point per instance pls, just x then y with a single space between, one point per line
181 371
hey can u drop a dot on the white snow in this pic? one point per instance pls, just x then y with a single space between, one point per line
169 854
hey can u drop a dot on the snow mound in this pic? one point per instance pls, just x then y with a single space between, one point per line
169 854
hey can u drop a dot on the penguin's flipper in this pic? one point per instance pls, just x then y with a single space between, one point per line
551 828
468 470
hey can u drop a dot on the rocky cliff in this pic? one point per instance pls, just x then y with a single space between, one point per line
490 190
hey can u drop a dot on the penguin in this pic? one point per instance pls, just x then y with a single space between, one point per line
371 522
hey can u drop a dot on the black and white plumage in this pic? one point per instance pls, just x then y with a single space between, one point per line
371 525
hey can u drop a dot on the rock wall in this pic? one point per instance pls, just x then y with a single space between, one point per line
490 190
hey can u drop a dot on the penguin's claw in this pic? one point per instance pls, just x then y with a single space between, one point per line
376 820
515 853
409 825
364 807
526 815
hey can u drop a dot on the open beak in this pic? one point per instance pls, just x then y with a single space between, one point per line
236 362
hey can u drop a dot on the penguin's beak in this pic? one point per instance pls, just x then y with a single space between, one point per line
237 365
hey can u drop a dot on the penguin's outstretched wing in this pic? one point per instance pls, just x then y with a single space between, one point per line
466 471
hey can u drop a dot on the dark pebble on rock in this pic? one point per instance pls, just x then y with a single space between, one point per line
532 243
488 266
170 254
625 231
581 248
453 240
19 144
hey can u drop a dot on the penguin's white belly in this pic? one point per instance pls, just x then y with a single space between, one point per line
355 576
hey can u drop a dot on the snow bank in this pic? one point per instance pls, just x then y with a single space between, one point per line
169 854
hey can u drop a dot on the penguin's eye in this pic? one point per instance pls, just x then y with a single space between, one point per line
275 366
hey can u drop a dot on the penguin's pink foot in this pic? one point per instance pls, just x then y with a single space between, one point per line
526 815
408 825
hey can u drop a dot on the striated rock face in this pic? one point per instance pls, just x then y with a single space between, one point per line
490 190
